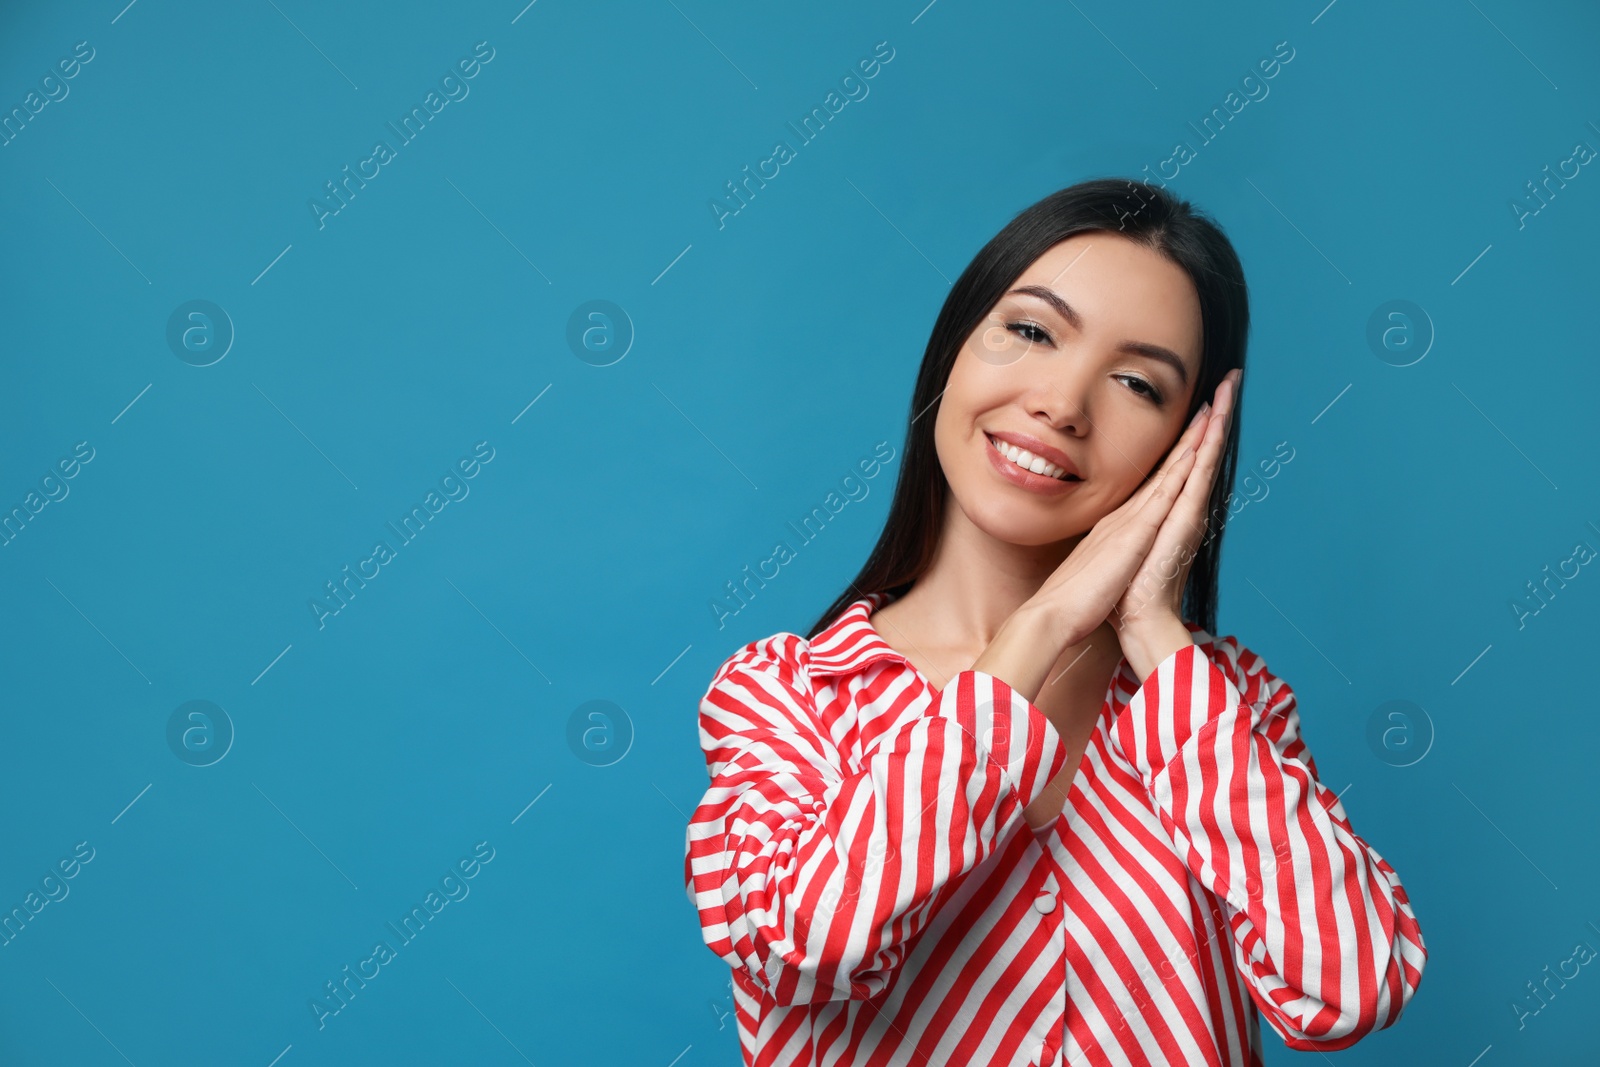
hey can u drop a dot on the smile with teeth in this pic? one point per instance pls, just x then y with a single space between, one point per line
1028 461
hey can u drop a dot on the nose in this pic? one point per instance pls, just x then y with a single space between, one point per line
1061 398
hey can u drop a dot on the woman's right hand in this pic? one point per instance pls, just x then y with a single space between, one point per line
1081 593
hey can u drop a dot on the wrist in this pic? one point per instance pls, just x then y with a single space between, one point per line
1147 642
1054 619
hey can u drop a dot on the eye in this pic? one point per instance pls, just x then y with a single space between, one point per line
1029 331
1142 387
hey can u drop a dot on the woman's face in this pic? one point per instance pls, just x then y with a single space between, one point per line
1088 361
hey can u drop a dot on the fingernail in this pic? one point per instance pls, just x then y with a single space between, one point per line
1198 415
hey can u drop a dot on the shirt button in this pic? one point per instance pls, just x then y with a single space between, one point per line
1045 903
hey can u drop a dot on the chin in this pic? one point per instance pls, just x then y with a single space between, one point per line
1023 525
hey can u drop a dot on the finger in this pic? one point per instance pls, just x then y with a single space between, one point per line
1190 438
1166 487
1187 518
1210 422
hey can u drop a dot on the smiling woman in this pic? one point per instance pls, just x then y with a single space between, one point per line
1013 800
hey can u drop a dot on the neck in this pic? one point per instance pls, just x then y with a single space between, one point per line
976 581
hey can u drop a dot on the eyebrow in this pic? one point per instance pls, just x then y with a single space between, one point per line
1067 311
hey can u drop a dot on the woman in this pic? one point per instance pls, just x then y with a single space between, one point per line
1011 801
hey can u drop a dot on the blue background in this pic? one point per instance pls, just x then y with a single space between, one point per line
768 356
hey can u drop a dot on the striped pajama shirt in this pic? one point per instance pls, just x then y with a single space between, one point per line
861 861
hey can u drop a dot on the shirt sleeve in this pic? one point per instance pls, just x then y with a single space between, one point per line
1323 932
814 866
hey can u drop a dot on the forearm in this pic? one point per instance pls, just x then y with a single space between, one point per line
815 877
1323 930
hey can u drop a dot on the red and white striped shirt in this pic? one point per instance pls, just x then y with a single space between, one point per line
862 862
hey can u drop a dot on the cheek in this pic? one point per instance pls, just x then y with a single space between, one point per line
1129 451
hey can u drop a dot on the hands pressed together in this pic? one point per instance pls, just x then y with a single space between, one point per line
1130 569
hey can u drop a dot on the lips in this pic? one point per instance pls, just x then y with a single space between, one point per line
1023 478
1029 449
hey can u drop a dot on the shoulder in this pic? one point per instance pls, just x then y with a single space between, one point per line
763 691
783 656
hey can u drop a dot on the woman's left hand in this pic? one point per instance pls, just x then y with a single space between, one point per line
1150 609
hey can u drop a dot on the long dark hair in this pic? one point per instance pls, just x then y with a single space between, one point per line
1141 212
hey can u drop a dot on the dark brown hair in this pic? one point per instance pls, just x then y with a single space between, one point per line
1141 212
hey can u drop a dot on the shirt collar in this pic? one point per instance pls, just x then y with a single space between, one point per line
850 642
